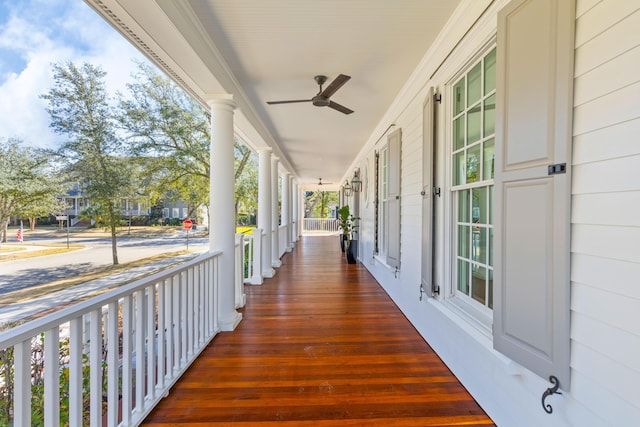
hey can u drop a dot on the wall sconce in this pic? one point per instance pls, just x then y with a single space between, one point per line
356 182
346 188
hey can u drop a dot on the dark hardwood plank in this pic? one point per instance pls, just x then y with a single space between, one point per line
321 344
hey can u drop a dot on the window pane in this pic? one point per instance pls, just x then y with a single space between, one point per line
478 286
490 72
458 97
458 133
488 155
463 241
473 125
474 85
479 202
490 115
463 276
479 244
473 163
458 168
463 206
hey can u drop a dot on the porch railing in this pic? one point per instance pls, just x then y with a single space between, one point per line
113 357
320 225
239 259
252 256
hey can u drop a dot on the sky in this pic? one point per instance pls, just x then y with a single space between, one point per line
34 34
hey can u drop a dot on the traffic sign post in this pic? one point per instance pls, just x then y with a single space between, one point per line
187 224
62 219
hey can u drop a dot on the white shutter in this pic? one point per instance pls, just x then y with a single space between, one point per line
533 131
427 193
392 217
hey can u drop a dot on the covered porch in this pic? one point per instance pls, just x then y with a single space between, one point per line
321 343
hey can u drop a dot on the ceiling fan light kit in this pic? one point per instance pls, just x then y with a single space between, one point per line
322 98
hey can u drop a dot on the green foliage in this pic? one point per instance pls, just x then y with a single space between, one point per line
169 132
79 108
317 203
347 222
37 383
28 183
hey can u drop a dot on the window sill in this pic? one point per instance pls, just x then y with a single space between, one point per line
477 325
377 259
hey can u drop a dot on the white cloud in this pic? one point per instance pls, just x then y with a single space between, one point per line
69 31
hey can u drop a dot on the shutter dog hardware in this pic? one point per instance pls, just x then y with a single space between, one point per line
548 392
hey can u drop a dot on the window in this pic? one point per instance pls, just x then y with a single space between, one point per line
472 157
185 212
175 213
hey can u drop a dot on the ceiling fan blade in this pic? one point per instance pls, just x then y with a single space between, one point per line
288 102
339 107
335 85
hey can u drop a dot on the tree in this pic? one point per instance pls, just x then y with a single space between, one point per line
171 132
246 180
79 108
317 203
28 184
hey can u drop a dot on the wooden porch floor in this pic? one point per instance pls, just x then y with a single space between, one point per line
321 344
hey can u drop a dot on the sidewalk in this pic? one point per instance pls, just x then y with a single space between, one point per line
27 309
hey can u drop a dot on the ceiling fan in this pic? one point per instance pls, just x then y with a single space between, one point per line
320 183
322 97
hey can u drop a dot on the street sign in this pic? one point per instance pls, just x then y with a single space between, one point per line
187 224
61 218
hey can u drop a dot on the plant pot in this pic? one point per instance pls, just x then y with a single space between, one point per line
343 242
352 251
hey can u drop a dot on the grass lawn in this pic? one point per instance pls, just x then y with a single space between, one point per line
36 291
245 229
21 252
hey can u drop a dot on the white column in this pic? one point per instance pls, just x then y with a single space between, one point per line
291 215
294 211
275 213
264 210
222 222
286 210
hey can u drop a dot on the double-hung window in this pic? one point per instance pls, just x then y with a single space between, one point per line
472 172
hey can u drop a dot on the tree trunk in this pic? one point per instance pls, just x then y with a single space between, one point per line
3 231
112 224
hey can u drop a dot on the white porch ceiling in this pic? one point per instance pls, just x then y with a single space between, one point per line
269 50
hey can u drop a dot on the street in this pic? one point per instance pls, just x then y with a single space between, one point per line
25 273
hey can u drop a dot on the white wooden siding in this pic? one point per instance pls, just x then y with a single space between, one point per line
605 221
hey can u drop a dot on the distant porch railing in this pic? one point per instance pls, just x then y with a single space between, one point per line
252 256
114 356
320 225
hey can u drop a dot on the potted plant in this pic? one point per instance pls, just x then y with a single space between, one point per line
347 224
